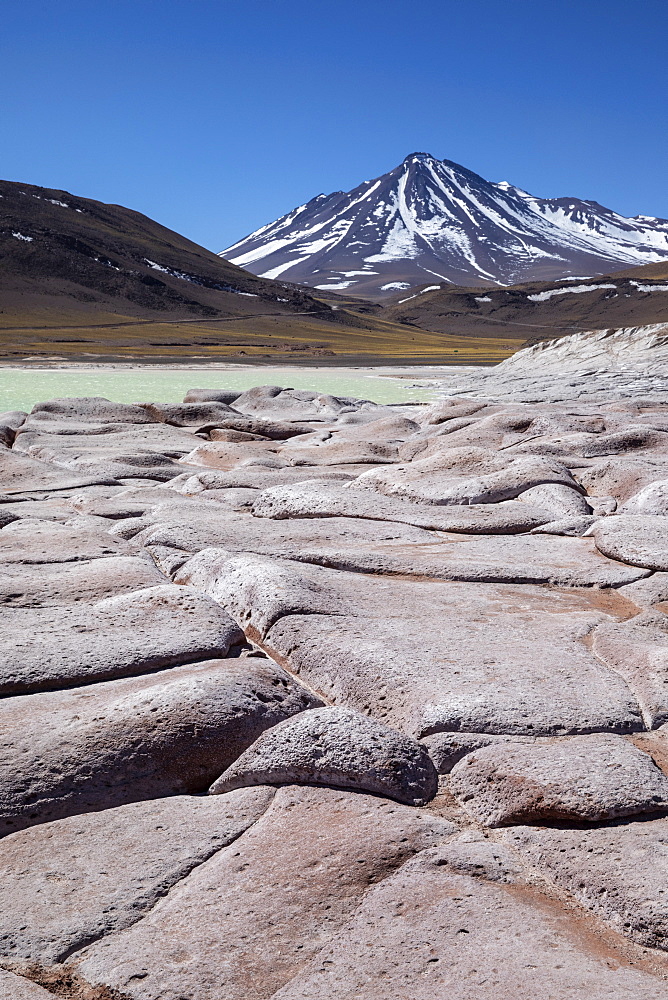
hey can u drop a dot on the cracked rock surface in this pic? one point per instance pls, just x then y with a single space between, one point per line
416 654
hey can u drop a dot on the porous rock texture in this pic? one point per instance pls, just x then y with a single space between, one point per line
112 867
136 633
257 912
596 777
418 653
338 747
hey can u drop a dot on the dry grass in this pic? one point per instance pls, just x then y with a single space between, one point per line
260 338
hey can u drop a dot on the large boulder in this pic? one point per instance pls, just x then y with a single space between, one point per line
340 748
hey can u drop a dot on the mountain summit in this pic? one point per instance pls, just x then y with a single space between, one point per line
432 219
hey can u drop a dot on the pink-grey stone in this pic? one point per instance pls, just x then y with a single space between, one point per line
340 748
94 874
258 911
169 733
639 539
590 778
162 626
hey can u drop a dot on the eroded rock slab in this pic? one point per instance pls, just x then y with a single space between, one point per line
562 501
561 560
619 872
466 475
339 748
190 414
20 474
228 455
29 541
428 931
446 749
170 733
333 540
369 546
121 636
97 873
591 778
94 409
273 402
344 452
639 539
211 395
70 582
504 659
652 499
265 906
324 499
621 477
638 651
648 592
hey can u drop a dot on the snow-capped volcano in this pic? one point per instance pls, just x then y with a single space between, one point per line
432 220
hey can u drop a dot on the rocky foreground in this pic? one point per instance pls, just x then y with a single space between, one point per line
309 698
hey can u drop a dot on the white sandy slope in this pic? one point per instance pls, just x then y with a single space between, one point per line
593 366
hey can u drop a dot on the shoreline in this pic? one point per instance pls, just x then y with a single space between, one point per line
380 371
62 364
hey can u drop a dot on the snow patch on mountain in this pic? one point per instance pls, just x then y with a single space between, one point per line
573 290
649 288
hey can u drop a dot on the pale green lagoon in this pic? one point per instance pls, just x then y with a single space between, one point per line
21 388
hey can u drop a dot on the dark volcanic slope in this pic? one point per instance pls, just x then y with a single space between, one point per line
539 310
81 279
433 219
56 246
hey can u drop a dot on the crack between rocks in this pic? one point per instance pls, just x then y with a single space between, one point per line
257 639
642 709
160 895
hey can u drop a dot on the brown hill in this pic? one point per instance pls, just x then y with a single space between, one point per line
539 310
80 279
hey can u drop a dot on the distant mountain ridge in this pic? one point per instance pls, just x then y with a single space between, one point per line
538 310
432 218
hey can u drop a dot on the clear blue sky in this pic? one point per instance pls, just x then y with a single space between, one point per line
216 116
